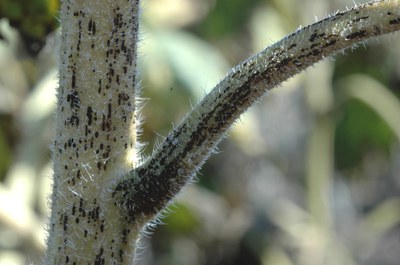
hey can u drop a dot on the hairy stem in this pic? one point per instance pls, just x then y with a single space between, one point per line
95 134
149 188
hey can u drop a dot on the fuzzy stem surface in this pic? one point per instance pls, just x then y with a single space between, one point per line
150 187
96 133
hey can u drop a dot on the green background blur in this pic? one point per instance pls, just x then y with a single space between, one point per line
309 176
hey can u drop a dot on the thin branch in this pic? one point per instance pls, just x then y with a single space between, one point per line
151 186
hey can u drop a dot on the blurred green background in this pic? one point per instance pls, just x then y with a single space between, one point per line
309 176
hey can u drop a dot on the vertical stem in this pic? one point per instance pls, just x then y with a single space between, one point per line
96 132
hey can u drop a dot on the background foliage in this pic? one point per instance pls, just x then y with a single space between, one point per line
310 175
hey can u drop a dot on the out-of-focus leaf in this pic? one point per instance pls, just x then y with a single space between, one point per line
42 101
369 120
34 19
380 220
377 97
276 256
182 220
227 17
193 62
5 153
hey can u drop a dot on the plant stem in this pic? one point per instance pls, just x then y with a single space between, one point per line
96 132
150 187
101 200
